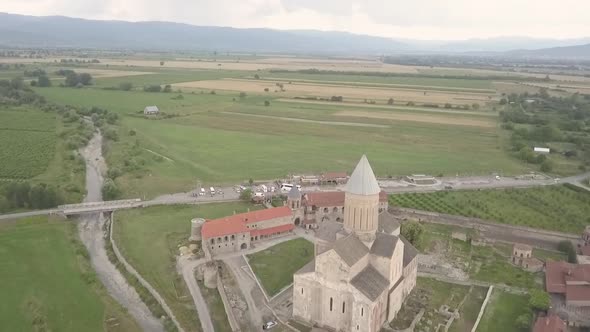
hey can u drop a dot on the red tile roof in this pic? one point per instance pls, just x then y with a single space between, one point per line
222 227
332 198
272 230
561 276
551 323
237 223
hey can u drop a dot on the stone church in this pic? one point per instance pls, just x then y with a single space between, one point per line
359 281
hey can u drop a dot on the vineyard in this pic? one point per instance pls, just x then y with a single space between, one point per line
558 208
28 142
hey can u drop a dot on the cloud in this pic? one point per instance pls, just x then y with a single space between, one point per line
421 19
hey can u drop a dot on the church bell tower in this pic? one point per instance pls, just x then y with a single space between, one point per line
361 202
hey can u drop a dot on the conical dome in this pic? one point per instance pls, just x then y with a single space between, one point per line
363 181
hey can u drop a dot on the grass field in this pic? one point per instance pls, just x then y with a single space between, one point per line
502 311
28 142
469 310
205 143
48 283
557 208
275 266
149 239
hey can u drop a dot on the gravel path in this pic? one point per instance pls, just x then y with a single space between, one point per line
92 235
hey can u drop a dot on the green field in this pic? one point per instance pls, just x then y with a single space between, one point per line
557 208
48 283
149 239
275 266
205 137
502 311
28 142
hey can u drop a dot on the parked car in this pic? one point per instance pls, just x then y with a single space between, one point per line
269 325
202 192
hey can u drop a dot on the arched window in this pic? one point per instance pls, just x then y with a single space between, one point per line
362 311
225 238
302 290
325 210
331 303
212 241
335 210
233 237
343 307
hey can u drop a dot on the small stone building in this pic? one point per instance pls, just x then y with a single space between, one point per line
522 255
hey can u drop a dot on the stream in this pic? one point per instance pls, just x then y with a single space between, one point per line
92 235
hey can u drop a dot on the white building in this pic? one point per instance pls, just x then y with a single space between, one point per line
541 150
151 110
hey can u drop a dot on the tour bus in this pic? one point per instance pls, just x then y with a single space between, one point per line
286 187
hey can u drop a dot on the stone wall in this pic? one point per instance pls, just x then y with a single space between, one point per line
233 323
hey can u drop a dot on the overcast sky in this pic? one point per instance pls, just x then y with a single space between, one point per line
416 19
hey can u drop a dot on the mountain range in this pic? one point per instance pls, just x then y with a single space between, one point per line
60 31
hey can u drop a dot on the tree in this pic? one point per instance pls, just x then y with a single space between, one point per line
539 300
256 76
246 195
266 103
265 89
71 79
17 83
110 190
390 101
412 231
524 321
242 95
152 88
43 81
167 88
410 103
251 181
125 86
161 63
547 166
447 105
475 106
85 78
567 248
503 101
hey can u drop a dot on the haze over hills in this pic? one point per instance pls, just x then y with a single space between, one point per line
59 31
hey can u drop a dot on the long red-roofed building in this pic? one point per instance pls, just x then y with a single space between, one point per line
238 231
329 205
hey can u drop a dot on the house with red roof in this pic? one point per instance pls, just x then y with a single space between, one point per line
551 323
240 231
570 281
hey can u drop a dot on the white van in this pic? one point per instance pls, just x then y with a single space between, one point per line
202 192
212 190
286 187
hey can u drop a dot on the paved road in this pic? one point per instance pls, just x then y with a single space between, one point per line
389 186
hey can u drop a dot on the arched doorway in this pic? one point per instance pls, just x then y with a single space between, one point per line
244 246
297 221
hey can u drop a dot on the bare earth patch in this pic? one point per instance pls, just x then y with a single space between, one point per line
348 92
419 118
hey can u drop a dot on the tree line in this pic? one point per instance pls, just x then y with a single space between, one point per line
18 195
